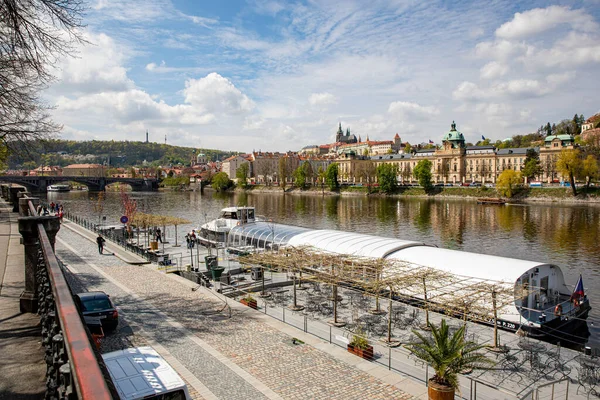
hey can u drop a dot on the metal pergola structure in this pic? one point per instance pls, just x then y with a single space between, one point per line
462 296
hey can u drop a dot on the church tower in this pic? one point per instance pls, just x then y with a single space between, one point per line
146 135
340 134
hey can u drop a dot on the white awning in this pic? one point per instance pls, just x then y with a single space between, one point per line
354 244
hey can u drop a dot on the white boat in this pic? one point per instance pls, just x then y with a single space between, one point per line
59 188
215 232
544 309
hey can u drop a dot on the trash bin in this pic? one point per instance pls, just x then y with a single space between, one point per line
226 278
153 245
256 273
211 262
216 272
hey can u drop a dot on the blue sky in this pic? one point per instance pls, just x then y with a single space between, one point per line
280 75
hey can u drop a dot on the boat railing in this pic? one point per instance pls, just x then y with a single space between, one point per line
550 311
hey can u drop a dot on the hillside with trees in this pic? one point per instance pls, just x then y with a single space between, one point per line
111 153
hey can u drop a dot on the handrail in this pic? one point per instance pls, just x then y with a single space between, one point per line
84 369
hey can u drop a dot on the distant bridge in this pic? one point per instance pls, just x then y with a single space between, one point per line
41 183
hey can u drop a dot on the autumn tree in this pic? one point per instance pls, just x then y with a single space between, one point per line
589 169
507 182
569 165
366 171
285 171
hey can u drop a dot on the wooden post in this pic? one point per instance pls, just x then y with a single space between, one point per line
495 317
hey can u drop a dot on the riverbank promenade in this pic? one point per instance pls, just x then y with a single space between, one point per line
223 349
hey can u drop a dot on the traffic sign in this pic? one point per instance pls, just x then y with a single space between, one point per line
124 219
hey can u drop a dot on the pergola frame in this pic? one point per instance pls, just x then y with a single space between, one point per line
471 298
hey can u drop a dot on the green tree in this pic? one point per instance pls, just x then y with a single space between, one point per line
569 165
548 129
221 182
408 148
242 174
589 169
331 176
300 177
532 167
387 177
422 173
507 182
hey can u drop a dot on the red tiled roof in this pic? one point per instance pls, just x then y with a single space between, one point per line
593 119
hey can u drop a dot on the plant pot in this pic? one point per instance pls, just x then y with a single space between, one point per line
435 391
367 353
250 303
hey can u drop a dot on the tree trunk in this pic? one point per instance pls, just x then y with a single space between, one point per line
572 179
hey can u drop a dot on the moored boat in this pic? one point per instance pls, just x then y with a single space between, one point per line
539 301
59 188
491 200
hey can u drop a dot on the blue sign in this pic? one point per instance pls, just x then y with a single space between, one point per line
124 219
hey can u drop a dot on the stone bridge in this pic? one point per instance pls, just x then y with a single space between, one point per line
41 183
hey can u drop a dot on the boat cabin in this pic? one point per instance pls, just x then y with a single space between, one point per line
243 214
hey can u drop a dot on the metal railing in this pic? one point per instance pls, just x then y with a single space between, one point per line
73 369
397 359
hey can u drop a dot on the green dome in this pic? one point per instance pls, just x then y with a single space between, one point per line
455 137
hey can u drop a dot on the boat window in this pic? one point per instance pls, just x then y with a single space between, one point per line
250 214
229 215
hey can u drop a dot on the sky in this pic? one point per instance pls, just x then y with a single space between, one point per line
244 75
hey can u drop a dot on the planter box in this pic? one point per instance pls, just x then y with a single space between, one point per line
367 353
250 303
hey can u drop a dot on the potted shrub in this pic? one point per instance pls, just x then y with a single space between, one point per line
249 301
360 346
448 355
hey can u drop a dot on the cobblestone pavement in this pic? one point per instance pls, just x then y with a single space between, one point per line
232 353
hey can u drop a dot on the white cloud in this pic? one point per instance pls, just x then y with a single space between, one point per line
98 66
322 99
408 110
215 93
515 89
500 49
493 70
539 20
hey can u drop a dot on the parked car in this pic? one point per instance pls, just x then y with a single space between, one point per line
98 304
465 184
141 373
475 184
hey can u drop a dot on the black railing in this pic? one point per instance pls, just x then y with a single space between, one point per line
73 368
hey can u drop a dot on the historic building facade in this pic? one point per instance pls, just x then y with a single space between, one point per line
457 163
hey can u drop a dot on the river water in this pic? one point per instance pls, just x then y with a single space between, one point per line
565 235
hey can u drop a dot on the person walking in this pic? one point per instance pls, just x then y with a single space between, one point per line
100 240
158 235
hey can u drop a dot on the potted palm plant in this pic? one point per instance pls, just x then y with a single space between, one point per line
249 301
448 355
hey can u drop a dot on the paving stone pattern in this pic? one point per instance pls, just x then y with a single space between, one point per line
293 372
